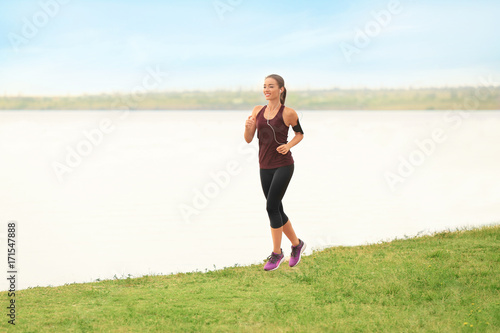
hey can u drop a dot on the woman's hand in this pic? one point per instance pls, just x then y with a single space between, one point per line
250 123
283 149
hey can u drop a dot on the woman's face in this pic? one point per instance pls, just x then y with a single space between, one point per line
271 89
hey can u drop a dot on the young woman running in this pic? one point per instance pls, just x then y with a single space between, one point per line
276 163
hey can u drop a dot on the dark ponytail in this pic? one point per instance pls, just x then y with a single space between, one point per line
283 96
281 84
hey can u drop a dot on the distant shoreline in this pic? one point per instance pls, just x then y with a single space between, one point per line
465 98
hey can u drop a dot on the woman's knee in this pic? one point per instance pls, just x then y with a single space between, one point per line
273 209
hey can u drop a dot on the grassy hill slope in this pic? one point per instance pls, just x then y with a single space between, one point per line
448 282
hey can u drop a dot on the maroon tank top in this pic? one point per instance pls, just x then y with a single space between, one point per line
269 157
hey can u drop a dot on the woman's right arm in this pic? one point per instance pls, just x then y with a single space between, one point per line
250 125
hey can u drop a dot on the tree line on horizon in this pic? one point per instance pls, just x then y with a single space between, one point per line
464 98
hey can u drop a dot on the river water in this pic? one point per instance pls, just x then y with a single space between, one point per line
111 194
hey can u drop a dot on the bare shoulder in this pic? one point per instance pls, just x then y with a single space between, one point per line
256 110
289 111
289 116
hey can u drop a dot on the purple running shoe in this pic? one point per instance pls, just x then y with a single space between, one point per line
297 253
274 261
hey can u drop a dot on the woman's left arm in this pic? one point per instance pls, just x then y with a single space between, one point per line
290 117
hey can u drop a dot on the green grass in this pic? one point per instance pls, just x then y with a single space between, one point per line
464 98
447 282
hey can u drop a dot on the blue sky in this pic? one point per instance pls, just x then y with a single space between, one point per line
88 47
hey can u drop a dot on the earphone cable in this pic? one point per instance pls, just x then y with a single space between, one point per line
274 134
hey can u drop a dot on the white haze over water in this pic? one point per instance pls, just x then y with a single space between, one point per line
119 211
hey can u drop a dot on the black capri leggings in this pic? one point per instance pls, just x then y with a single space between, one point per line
274 183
